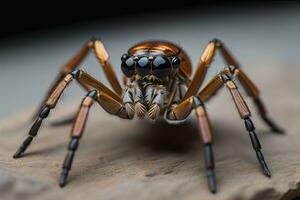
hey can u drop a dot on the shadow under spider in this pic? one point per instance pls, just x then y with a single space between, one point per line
163 137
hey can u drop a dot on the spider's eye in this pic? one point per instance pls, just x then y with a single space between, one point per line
124 57
127 66
161 67
143 66
175 62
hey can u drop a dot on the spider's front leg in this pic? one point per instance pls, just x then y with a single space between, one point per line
110 101
212 87
180 112
103 58
252 91
76 133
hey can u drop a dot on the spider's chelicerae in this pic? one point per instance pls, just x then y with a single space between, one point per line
157 82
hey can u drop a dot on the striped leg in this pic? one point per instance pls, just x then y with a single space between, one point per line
103 58
50 104
245 115
110 101
206 138
201 71
76 133
180 112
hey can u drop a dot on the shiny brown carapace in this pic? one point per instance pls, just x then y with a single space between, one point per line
158 83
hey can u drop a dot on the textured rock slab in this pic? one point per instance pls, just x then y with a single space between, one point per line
120 159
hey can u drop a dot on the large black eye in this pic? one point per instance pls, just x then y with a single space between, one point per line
124 57
127 66
143 66
161 67
175 62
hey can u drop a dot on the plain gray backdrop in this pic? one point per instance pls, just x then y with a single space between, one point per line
29 62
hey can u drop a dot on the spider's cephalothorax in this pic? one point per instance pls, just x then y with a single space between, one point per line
158 81
152 70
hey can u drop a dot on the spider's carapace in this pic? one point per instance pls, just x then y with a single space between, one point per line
166 49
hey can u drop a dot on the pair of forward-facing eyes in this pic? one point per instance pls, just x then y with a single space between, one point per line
160 66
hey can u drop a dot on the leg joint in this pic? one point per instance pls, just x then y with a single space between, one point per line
73 145
76 73
225 78
197 102
217 42
232 68
93 94
45 112
249 124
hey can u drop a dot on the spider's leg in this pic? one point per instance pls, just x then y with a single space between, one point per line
250 87
206 138
65 69
212 87
253 92
103 58
245 115
108 103
76 133
50 104
180 112
201 71
82 78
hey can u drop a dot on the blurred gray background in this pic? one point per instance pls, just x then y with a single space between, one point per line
30 61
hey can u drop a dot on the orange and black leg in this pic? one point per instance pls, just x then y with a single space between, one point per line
103 58
76 133
250 87
212 87
234 69
206 138
50 104
245 115
253 92
110 101
180 112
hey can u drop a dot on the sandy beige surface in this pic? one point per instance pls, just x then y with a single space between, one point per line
119 159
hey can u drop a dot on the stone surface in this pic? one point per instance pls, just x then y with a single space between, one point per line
119 159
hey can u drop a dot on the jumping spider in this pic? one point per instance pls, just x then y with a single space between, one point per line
157 82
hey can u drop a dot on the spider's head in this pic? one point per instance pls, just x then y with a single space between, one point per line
160 66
